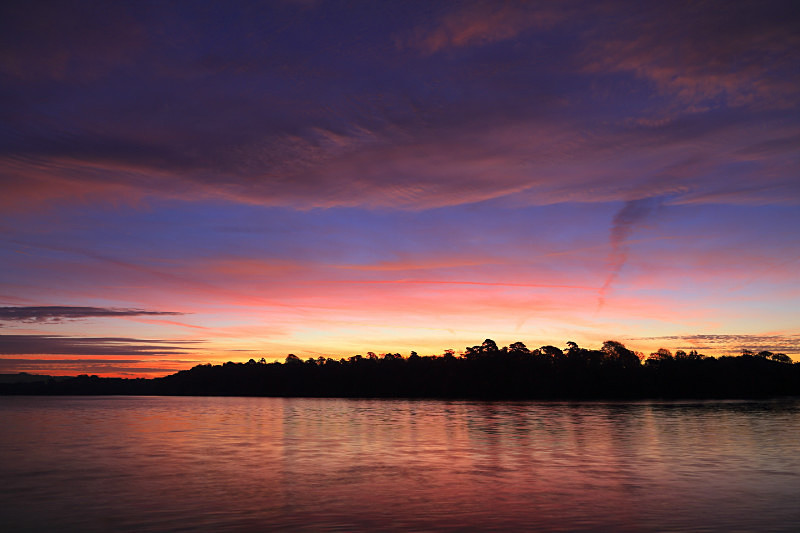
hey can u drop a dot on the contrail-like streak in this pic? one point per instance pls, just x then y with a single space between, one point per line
625 221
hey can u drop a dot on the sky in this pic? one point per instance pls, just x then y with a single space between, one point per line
198 182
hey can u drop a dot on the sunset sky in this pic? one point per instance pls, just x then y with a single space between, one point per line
191 182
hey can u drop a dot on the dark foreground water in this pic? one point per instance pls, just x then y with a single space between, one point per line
266 464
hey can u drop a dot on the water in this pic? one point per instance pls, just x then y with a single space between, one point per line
266 464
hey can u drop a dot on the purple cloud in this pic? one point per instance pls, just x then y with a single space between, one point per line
625 221
91 346
549 103
56 313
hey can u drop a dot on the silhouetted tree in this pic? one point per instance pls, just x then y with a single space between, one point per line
552 351
781 358
518 348
489 347
660 355
617 352
572 347
472 352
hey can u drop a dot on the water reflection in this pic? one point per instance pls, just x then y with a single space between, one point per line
254 464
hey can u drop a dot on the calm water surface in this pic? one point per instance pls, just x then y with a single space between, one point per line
264 464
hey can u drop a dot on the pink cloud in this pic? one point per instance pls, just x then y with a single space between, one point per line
703 59
539 130
481 23
527 161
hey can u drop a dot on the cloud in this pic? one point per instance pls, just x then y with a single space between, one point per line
90 346
632 214
133 367
594 103
56 313
735 343
704 56
535 161
480 23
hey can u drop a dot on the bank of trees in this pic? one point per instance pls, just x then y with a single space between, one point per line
488 371
483 371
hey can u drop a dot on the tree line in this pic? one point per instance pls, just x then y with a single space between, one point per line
483 371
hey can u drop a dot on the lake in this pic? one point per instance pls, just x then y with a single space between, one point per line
274 464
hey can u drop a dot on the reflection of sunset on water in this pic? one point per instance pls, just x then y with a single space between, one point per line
194 463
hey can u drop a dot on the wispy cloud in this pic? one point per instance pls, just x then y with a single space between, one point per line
734 343
625 222
56 313
478 23
704 58
119 367
90 346
553 117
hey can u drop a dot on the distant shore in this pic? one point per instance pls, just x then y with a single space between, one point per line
481 372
